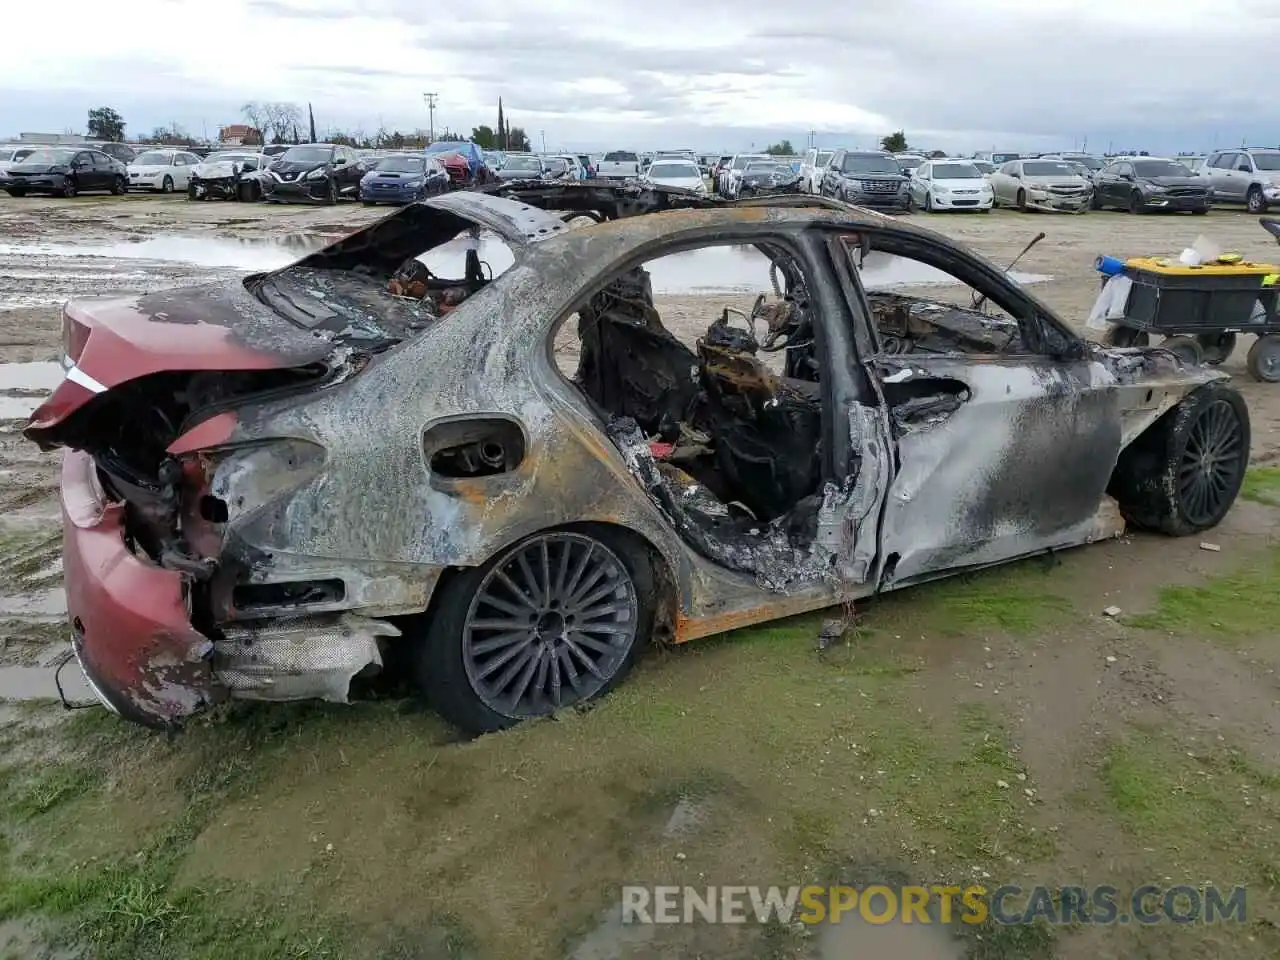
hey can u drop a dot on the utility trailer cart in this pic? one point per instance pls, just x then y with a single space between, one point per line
1199 310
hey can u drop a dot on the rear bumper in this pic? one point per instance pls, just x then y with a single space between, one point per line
131 630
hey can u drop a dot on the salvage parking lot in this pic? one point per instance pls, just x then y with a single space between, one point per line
1000 728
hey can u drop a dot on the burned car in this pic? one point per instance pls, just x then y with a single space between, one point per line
228 175
271 486
762 177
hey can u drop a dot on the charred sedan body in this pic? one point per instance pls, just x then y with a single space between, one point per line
312 173
269 483
227 176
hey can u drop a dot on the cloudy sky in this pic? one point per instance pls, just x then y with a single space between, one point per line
955 74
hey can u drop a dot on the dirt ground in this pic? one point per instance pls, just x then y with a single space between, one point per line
994 729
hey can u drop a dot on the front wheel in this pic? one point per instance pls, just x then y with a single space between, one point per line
166 185
332 195
552 622
1022 200
1182 475
1255 201
120 186
928 203
1135 202
69 188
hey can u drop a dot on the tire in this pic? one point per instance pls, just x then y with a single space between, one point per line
69 188
191 192
1182 475
1254 201
1200 211
452 670
1119 336
986 209
1135 202
1095 201
120 186
369 203
928 203
166 185
1022 200
911 203
331 196
1186 349
1216 347
1264 359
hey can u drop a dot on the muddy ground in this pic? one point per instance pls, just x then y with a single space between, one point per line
994 729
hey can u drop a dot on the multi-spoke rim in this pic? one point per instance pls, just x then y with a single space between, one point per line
550 625
1210 469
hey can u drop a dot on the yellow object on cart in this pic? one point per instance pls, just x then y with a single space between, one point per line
1163 265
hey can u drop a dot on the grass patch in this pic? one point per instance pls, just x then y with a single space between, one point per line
31 793
1262 485
1245 602
1016 599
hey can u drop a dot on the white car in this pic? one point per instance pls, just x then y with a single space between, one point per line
812 168
950 185
11 153
220 176
731 176
676 173
163 170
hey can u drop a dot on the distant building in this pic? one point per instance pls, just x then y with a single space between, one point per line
238 134
51 138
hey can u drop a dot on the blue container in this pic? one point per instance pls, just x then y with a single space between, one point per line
1108 266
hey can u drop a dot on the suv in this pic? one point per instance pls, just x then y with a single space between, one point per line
867 178
1246 175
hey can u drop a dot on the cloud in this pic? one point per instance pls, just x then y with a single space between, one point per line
1158 74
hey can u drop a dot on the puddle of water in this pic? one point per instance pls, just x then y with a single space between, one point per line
852 938
238 254
42 605
725 269
37 683
40 375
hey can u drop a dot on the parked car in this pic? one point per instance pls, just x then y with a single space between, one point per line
727 185
458 169
574 169
1149 184
1194 164
162 170
402 178
314 173
522 166
985 167
768 177
1247 175
909 162
676 173
466 149
11 153
65 172
950 185
1050 185
588 166
619 165
720 164
276 486
867 178
112 148
811 169
228 175
1090 164
275 149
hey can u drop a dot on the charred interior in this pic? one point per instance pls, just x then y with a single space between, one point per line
731 451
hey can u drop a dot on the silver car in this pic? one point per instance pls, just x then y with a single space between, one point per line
1054 185
1245 175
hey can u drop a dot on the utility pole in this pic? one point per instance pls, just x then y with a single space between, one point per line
813 138
430 99
544 140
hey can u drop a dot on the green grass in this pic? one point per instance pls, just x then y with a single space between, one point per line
1262 485
1245 602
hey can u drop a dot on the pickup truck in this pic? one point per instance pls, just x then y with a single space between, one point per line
618 165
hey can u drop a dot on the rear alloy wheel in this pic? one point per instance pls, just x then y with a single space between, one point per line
1186 349
166 185
1264 359
552 622
69 187
1216 347
120 186
1182 475
1255 201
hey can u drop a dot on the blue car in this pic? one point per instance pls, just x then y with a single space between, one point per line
403 178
